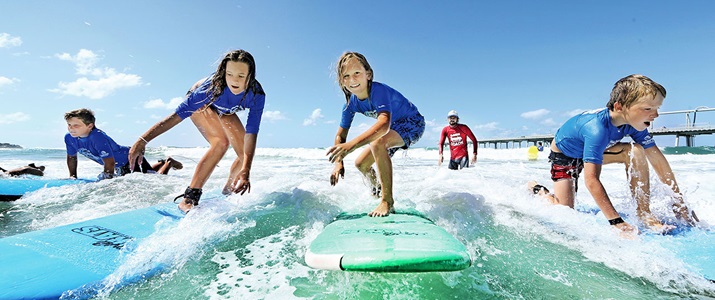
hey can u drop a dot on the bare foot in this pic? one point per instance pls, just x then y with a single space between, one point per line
382 210
174 164
186 205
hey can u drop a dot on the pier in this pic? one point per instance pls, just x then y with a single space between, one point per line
689 131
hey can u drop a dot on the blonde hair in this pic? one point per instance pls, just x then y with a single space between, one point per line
342 61
629 89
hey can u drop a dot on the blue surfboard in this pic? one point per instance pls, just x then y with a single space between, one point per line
695 246
13 188
76 257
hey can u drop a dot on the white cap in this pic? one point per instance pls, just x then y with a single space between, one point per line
452 113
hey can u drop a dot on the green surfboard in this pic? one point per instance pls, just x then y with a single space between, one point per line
400 242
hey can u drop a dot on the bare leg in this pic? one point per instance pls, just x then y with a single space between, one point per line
236 133
209 125
379 149
638 174
164 166
364 165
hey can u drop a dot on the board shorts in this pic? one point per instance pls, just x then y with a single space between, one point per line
410 129
145 167
459 163
564 167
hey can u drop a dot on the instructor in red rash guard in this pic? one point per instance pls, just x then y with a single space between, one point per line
457 135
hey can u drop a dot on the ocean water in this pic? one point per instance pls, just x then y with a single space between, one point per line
522 248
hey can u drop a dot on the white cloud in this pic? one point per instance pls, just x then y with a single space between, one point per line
14 118
274 115
487 127
535 114
549 122
313 118
106 82
158 103
7 41
4 81
574 112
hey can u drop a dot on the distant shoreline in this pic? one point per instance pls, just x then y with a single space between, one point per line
10 146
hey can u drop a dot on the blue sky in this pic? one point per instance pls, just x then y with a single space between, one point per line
510 68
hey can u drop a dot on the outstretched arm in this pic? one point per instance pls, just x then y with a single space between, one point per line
72 165
592 175
475 143
377 130
249 150
339 170
136 152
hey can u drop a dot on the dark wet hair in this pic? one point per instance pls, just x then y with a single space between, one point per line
629 89
218 81
341 64
86 115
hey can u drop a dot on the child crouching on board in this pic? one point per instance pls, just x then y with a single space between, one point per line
591 139
85 138
399 124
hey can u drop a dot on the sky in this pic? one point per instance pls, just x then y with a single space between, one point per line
510 68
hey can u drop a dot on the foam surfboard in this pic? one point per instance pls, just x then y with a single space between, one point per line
693 245
400 242
13 188
76 257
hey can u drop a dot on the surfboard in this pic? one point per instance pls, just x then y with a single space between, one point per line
13 188
400 242
694 246
76 257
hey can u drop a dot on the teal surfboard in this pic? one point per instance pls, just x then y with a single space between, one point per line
76 257
13 188
400 242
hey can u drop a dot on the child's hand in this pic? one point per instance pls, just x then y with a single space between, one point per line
136 153
338 152
683 213
626 231
244 184
338 171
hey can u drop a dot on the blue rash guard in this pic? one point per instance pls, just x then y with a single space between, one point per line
382 98
97 146
589 134
227 103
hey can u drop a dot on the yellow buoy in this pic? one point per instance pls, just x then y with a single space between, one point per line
533 153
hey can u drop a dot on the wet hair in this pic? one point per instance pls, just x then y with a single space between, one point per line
341 64
218 81
86 115
629 89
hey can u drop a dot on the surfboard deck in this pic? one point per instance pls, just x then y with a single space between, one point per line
76 257
12 189
400 242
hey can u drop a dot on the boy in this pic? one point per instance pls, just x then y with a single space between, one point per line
457 135
592 139
85 138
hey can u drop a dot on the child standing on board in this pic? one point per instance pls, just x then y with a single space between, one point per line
212 103
399 125
592 139
85 138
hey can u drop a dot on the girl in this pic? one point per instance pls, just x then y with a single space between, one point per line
212 103
399 124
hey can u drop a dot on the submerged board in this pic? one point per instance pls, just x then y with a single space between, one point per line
400 242
76 257
13 188
694 246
